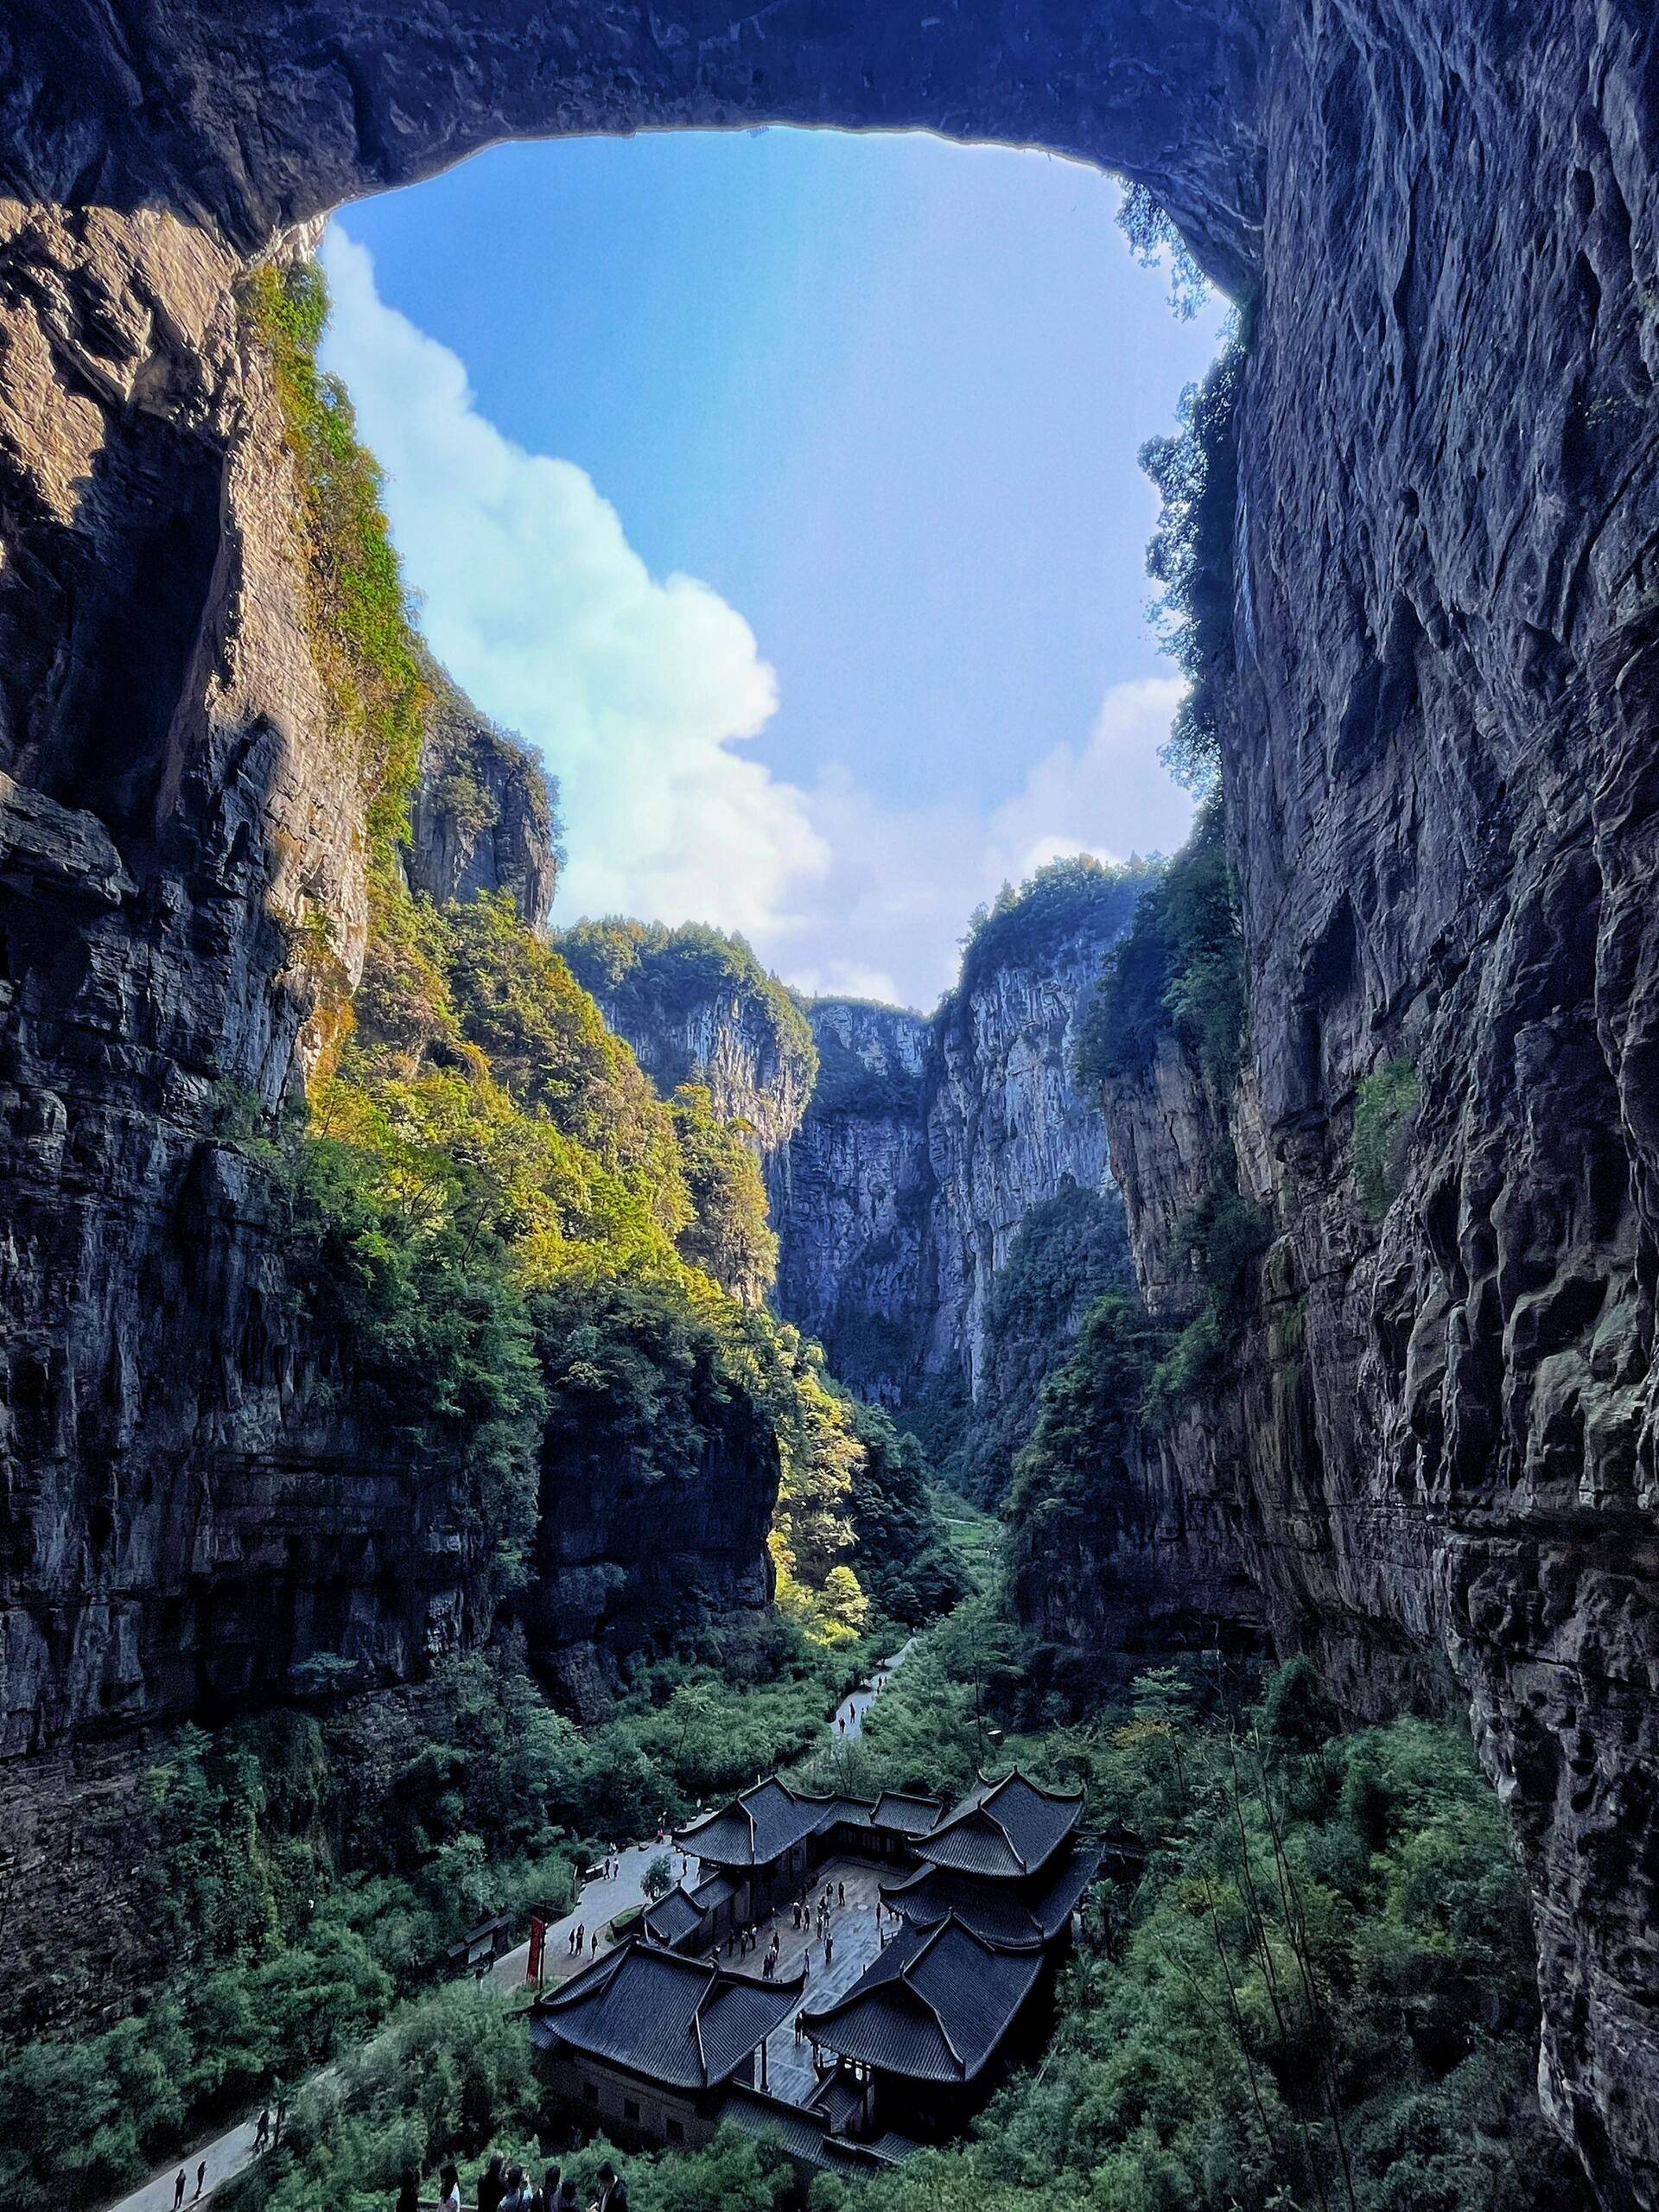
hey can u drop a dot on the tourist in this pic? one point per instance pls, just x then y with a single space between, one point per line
262 2133
178 2190
281 2114
828 1948
518 2197
608 2185
841 1892
201 2174
768 1968
409 2193
551 2184
569 2200
449 2181
491 2184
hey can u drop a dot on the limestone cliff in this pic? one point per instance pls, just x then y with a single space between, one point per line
697 1007
483 818
929 1142
851 1196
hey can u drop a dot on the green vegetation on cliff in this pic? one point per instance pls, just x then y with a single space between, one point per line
1179 970
1069 1250
1026 924
1191 558
366 650
652 976
730 1235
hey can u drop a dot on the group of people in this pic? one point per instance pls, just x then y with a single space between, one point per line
815 1915
266 2135
504 2188
578 1942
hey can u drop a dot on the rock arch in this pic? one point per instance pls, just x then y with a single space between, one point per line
1446 216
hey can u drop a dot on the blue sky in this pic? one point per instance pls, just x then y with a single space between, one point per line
782 488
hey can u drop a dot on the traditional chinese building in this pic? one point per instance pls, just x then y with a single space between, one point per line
659 2044
759 1842
645 2043
960 1993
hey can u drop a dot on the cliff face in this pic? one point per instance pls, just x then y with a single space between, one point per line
928 1143
697 1007
482 820
1438 762
185 1518
851 1197
1440 775
1008 1124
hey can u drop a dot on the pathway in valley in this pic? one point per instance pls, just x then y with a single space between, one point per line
598 1903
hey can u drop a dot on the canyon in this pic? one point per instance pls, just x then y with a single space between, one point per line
1439 677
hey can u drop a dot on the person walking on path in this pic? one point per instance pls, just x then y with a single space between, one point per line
201 2176
449 2179
178 2190
262 2133
828 1949
281 2114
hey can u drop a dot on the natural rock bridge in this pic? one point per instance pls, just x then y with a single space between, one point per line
1440 779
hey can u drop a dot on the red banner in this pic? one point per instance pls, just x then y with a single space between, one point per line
537 1945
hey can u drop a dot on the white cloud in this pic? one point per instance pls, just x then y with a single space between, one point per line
903 880
638 692
643 694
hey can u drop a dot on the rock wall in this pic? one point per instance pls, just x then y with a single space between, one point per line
696 1006
928 1142
851 1196
1439 763
483 819
185 1517
1438 769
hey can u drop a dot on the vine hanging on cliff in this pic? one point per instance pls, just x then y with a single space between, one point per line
362 636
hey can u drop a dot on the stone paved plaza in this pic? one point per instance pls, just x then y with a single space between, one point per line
857 1941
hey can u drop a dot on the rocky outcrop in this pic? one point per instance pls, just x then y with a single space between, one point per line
624 1561
696 1006
482 820
929 1142
1439 765
852 1195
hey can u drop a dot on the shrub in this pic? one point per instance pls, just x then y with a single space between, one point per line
1179 968
1385 1113
1189 558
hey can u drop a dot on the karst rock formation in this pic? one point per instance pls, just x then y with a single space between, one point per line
1441 789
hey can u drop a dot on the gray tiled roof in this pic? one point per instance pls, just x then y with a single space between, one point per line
673 1917
758 1826
1007 1913
1004 1829
686 2023
935 2006
804 2136
897 1808
800 2133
